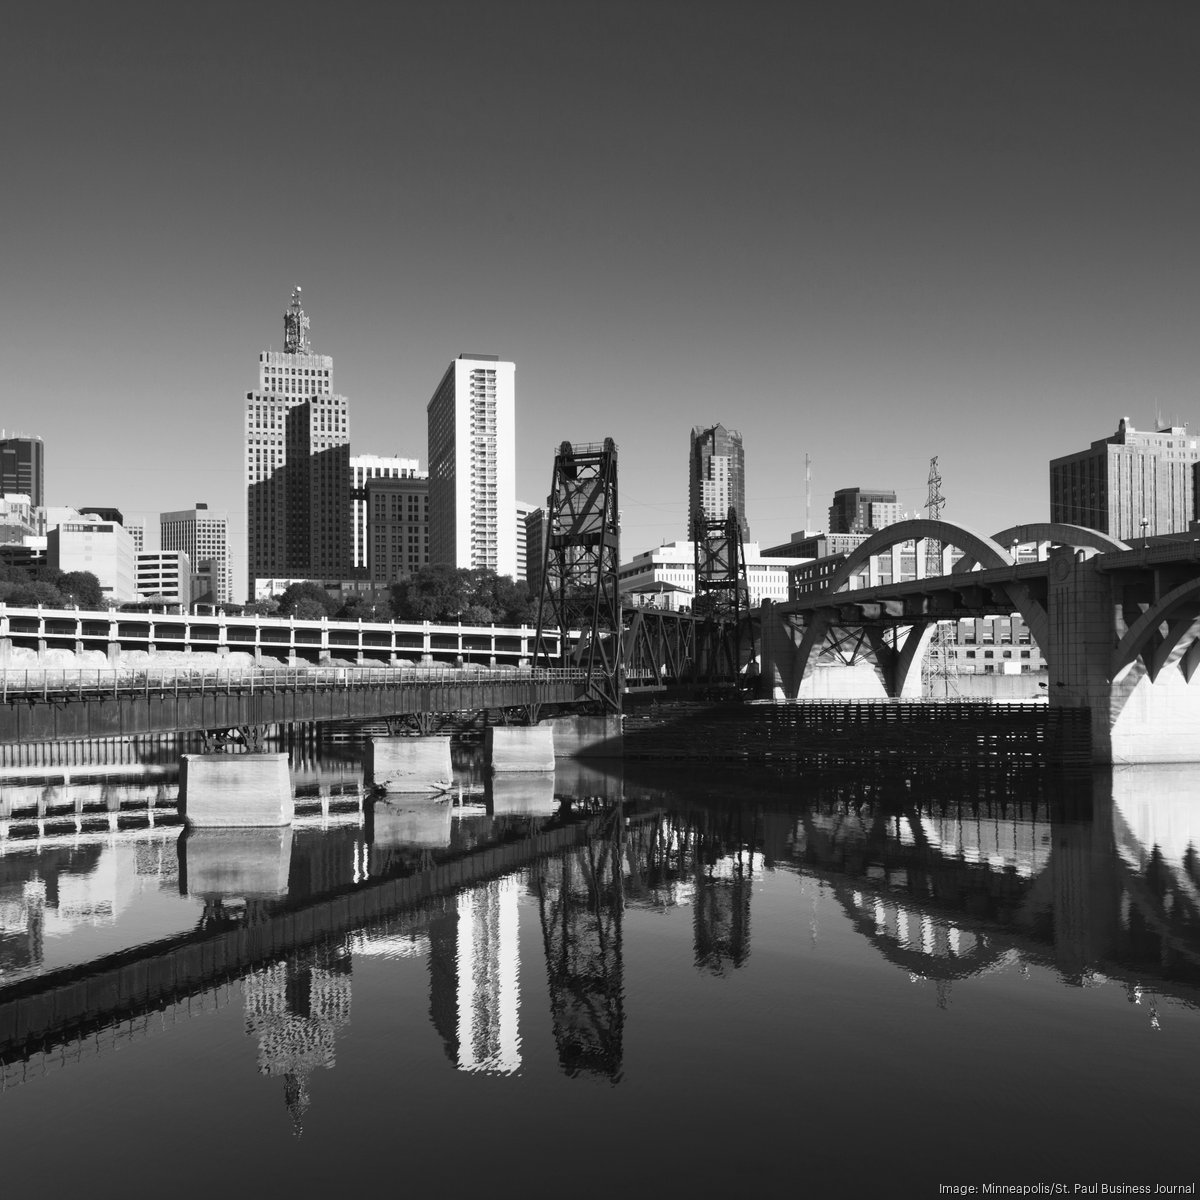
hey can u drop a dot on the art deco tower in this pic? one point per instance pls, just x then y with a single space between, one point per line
297 463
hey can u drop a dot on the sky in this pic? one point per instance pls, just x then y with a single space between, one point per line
868 232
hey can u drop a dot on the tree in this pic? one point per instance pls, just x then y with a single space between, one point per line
366 608
435 593
307 608
475 596
306 591
33 593
82 588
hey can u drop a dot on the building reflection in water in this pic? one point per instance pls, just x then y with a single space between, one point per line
475 978
294 1009
946 877
56 891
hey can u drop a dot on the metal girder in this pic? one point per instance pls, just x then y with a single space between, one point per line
581 568
657 646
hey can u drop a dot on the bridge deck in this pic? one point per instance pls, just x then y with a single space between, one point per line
45 706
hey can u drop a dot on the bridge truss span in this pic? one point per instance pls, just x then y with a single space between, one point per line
888 624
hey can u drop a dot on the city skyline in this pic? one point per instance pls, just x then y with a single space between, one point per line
952 231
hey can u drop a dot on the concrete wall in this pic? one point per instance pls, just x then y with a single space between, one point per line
1032 685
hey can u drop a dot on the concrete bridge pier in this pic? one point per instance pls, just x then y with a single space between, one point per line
409 764
1145 706
520 747
587 736
230 790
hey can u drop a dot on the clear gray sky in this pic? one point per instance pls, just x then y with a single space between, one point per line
868 231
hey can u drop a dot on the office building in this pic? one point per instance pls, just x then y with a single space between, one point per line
103 548
22 464
363 468
862 510
716 476
472 465
202 533
164 575
536 526
665 577
524 508
297 462
18 521
1132 484
807 544
397 539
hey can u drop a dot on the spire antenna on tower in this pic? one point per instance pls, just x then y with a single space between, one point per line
295 327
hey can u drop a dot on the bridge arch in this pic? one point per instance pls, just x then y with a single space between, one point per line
1078 537
986 551
1179 610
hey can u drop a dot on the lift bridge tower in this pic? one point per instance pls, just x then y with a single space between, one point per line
722 593
581 569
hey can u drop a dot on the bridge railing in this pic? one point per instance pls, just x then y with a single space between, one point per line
100 682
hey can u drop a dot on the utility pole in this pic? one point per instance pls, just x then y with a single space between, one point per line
807 492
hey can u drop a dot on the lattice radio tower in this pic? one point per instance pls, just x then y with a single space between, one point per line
936 665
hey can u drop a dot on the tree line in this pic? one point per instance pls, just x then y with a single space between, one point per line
28 587
440 594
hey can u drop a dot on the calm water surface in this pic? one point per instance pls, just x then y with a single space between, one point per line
837 984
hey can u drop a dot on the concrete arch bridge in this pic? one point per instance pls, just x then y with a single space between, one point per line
1118 625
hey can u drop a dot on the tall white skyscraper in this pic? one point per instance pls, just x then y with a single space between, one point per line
297 463
202 533
362 468
472 465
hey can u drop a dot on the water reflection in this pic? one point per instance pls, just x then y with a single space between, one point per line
946 878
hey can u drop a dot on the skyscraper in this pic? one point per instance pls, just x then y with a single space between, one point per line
297 463
21 467
1130 484
716 476
472 465
202 533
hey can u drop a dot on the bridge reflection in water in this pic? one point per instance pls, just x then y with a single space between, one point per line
948 875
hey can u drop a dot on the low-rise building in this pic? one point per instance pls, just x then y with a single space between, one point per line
165 574
102 547
674 563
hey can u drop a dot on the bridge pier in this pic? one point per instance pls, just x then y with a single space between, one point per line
229 790
409 764
520 747
587 737
1136 716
